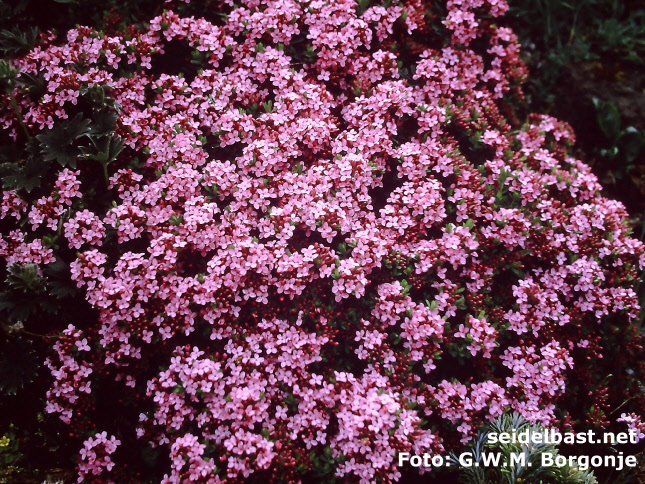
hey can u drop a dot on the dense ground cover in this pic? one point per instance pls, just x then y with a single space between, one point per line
288 240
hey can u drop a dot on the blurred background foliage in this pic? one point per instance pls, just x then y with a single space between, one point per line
587 67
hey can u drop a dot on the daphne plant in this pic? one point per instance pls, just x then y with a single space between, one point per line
326 246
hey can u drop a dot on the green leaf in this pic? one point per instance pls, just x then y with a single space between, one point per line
630 144
176 220
103 122
518 272
33 84
26 176
58 143
7 73
14 41
27 292
104 149
25 277
59 282
607 117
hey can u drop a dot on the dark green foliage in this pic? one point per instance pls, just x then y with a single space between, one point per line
59 142
14 42
608 118
581 29
19 365
621 146
67 142
300 51
23 176
35 305
99 99
9 453
556 34
622 34
104 149
28 293
33 85
58 282
7 75
63 142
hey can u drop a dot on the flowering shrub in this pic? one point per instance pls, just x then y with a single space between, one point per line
330 244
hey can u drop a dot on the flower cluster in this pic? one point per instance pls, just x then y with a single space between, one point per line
95 456
326 246
634 424
70 376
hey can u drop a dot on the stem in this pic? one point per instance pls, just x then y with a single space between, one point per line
572 32
39 335
105 174
59 228
16 110
619 406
